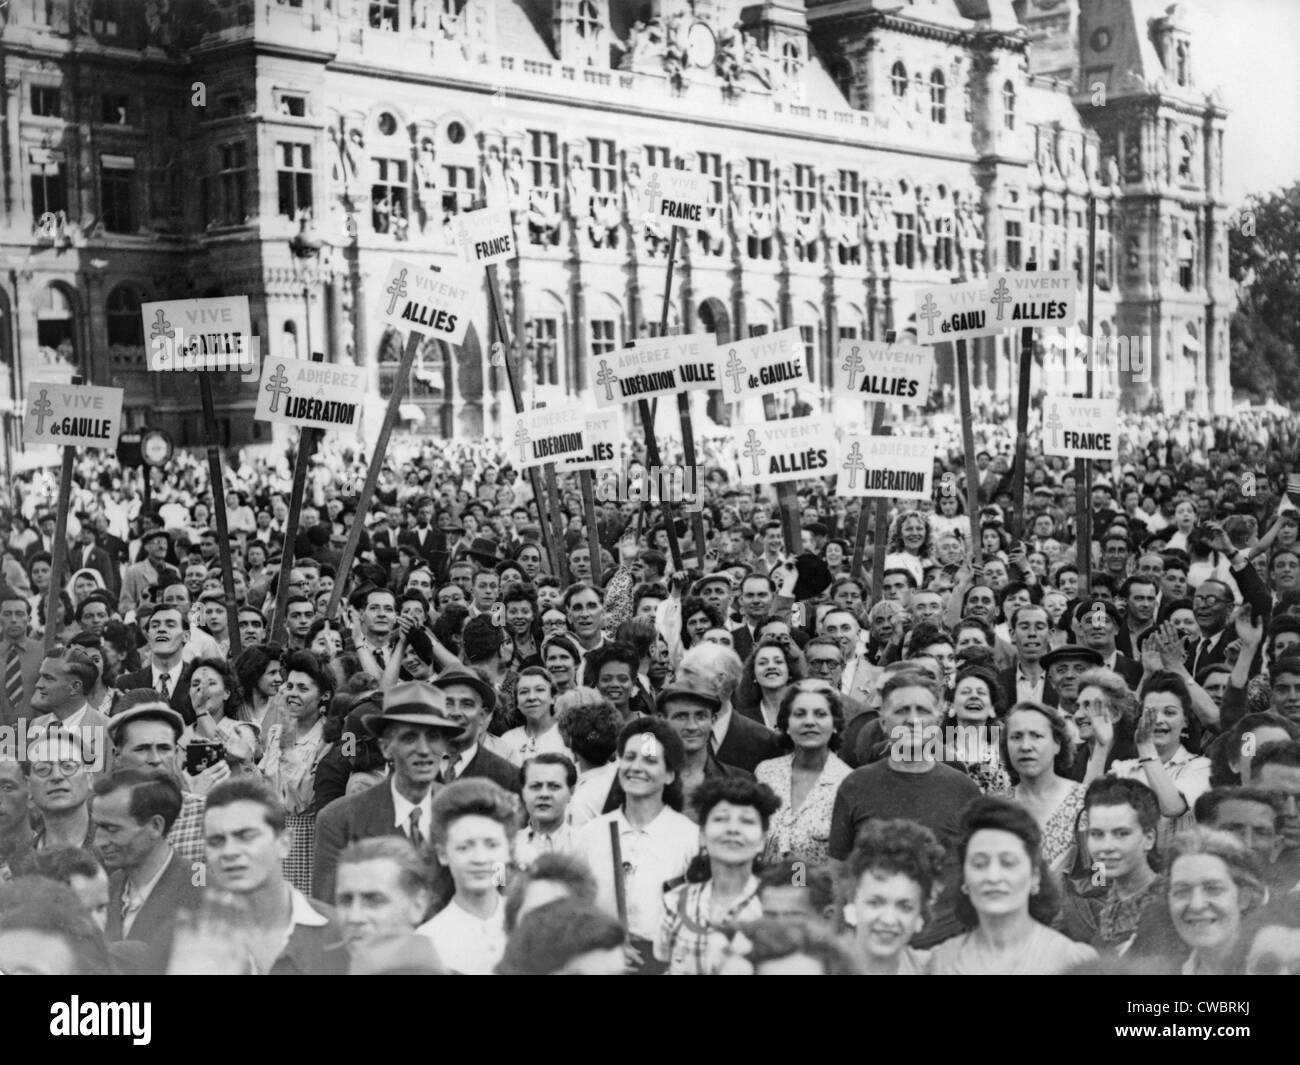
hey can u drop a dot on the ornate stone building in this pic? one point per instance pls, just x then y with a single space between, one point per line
858 150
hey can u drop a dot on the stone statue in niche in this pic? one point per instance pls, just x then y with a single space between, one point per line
347 328
645 45
1112 172
516 185
579 189
730 60
786 217
426 183
740 220
354 160
494 177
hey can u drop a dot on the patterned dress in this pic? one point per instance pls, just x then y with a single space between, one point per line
292 772
803 834
1059 829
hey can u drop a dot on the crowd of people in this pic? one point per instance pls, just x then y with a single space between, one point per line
501 754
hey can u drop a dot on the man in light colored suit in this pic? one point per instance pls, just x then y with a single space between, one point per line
59 699
17 681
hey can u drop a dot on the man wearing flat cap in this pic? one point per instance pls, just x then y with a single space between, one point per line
139 577
413 732
469 701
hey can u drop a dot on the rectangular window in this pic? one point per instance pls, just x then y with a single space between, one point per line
808 338
388 194
603 166
711 167
383 15
117 197
805 202
233 183
47 101
293 105
294 177
905 242
1013 245
115 109
602 336
943 243
758 189
460 186
544 174
105 17
849 200
658 155
542 333
48 190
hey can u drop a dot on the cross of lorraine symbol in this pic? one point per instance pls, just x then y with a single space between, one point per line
1001 296
1054 424
853 363
522 438
161 327
928 313
608 378
654 192
43 409
735 370
278 386
853 463
754 450
397 290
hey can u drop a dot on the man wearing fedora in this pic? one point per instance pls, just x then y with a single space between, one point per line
139 577
468 702
413 731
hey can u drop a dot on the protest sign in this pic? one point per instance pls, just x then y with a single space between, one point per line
486 236
199 335
72 415
761 365
311 394
945 313
884 466
1081 428
546 434
888 373
603 430
678 196
1023 298
434 300
789 450
648 368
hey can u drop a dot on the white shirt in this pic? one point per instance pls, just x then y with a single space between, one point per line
463 942
138 896
518 746
173 676
591 793
660 852
402 807
1026 689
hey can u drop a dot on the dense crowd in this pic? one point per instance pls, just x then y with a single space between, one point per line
501 754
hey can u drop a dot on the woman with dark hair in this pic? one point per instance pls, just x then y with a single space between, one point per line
1008 896
978 704
294 747
40 567
121 652
219 712
65 624
810 724
838 556
701 919
1036 745
519 605
535 702
259 674
1231 751
1215 882
634 850
561 658
770 669
1181 615
888 884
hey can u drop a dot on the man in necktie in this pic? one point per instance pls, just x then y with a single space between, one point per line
20 656
413 735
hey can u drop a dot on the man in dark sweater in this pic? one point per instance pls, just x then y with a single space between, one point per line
910 783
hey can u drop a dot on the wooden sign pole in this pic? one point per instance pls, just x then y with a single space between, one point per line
218 482
553 538
860 536
1083 467
557 522
413 339
307 437
1022 427
787 497
968 443
880 530
587 482
59 563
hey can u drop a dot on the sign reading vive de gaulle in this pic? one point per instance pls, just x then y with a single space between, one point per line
761 365
954 312
432 300
72 415
786 450
313 394
886 467
212 334
546 434
884 373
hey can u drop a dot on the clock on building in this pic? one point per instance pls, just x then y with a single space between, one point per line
156 447
701 45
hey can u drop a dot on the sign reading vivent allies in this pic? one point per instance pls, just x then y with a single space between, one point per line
547 434
313 394
884 373
678 196
486 236
787 450
884 466
431 300
72 415
1027 297
1081 428
603 430
954 312
761 365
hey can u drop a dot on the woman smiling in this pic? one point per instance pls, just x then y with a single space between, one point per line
1214 882
769 670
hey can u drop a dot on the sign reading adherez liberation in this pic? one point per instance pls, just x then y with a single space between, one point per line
432 300
544 435
655 366
885 466
787 450
318 395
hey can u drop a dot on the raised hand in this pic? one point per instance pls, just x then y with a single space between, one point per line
1248 630
1103 728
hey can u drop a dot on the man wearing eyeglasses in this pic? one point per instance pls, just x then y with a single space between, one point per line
825 658
59 781
1212 603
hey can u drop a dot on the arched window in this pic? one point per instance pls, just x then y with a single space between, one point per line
588 22
1185 150
1008 105
122 311
898 79
791 60
289 341
56 327
938 98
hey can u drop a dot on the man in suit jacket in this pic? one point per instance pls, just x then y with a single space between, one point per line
148 884
470 701
412 733
141 576
15 619
168 631
45 540
89 555
1212 603
425 540
59 703
737 740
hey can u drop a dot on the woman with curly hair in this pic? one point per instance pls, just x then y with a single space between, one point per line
978 704
1215 882
910 545
259 673
888 883
770 668
1037 747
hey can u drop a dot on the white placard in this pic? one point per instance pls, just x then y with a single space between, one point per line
212 335
603 430
890 467
679 197
761 365
546 434
72 415
788 450
432 300
1029 298
884 373
314 394
946 313
486 236
647 369
1081 428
